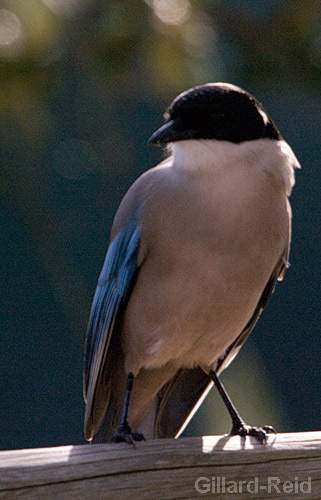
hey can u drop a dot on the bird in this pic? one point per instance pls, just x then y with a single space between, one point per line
197 246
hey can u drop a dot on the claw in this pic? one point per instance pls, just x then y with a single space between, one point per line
125 435
260 433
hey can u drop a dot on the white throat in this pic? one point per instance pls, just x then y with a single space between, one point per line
211 156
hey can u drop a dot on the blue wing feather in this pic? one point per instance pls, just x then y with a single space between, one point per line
114 283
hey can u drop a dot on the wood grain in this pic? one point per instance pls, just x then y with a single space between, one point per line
168 469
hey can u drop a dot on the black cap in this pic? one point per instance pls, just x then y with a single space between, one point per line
215 111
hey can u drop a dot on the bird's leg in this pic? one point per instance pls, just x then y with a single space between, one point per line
124 432
239 427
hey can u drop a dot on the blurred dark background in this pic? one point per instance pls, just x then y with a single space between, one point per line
83 84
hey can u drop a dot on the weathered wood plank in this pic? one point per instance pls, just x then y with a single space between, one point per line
168 469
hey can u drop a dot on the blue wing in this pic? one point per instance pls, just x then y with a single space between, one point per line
113 288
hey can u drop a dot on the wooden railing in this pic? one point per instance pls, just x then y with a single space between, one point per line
288 466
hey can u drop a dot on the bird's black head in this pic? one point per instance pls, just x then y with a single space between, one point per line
215 111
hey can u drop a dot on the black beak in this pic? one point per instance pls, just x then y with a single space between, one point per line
169 132
163 135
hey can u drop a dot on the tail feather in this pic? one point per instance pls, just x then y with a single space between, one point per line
179 399
163 402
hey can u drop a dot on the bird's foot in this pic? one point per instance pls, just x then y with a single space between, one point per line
260 433
125 435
